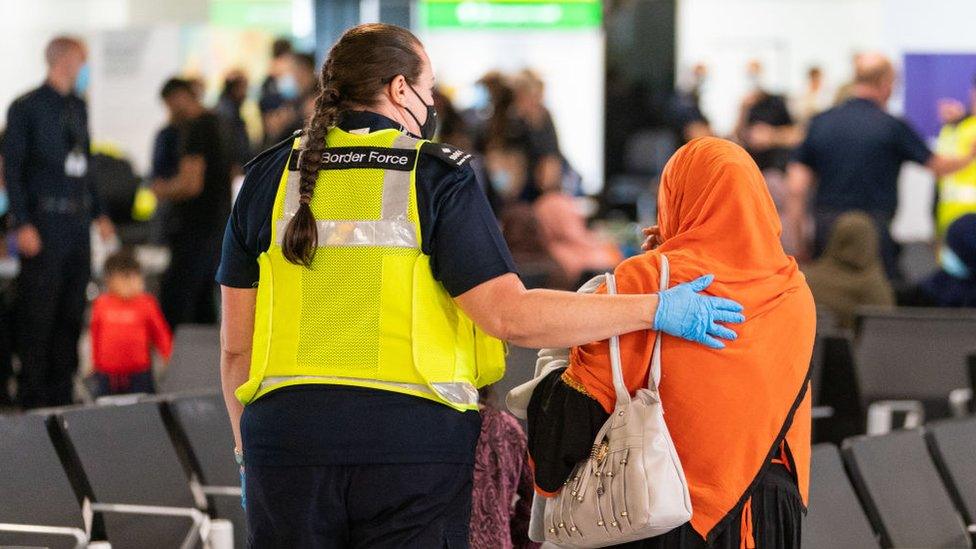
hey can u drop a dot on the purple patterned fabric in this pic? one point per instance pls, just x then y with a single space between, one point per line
502 498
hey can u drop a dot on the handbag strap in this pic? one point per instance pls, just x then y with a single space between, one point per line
623 395
654 378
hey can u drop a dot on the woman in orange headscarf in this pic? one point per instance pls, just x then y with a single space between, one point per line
739 417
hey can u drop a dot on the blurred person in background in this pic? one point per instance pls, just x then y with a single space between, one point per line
850 274
547 166
507 166
451 126
957 190
684 110
126 324
851 158
279 100
492 99
813 99
765 127
196 184
7 274
501 500
954 284
280 81
228 109
53 202
580 252
306 76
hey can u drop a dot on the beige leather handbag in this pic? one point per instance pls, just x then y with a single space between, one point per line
632 486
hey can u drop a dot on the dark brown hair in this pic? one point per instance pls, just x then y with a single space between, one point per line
121 263
366 58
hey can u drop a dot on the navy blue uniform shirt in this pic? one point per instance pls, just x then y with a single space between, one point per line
331 424
856 150
43 127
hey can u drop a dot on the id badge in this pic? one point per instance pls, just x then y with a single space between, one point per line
76 164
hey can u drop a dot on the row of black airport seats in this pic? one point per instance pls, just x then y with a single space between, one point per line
906 489
906 364
153 474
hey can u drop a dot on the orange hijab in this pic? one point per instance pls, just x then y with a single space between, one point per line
727 410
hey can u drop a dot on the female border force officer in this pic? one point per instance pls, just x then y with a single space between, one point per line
364 285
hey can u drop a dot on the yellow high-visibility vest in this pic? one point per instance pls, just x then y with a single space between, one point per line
957 191
368 312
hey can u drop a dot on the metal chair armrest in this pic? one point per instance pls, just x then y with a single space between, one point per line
229 491
882 412
201 522
81 537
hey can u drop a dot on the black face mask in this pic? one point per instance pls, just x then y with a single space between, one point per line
429 127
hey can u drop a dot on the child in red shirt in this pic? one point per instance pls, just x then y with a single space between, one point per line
125 322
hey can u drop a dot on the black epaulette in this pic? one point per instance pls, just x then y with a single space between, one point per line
447 153
276 147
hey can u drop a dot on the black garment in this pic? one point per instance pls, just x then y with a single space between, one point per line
770 109
166 153
562 423
187 290
194 226
856 151
7 323
777 515
459 233
284 428
44 128
50 308
207 212
239 143
403 506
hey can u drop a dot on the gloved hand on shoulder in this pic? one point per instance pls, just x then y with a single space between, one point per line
683 311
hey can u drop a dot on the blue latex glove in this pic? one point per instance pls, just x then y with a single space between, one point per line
243 491
684 312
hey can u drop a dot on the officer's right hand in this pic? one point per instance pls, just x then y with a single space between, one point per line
684 312
28 241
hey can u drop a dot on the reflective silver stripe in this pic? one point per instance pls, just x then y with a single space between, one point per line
461 393
394 229
955 192
393 234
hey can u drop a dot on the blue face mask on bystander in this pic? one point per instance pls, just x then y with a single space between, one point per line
952 265
287 86
83 79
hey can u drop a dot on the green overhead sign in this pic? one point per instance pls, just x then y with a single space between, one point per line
271 15
510 14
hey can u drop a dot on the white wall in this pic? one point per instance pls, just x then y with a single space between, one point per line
570 62
789 36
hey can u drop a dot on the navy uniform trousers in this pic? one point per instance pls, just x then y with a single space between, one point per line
49 311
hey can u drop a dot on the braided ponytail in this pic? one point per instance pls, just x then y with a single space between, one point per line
301 237
364 60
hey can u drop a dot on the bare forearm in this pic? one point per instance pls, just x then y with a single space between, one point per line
945 165
234 370
168 189
549 318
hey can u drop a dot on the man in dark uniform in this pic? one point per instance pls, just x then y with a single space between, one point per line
851 158
53 201
192 171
